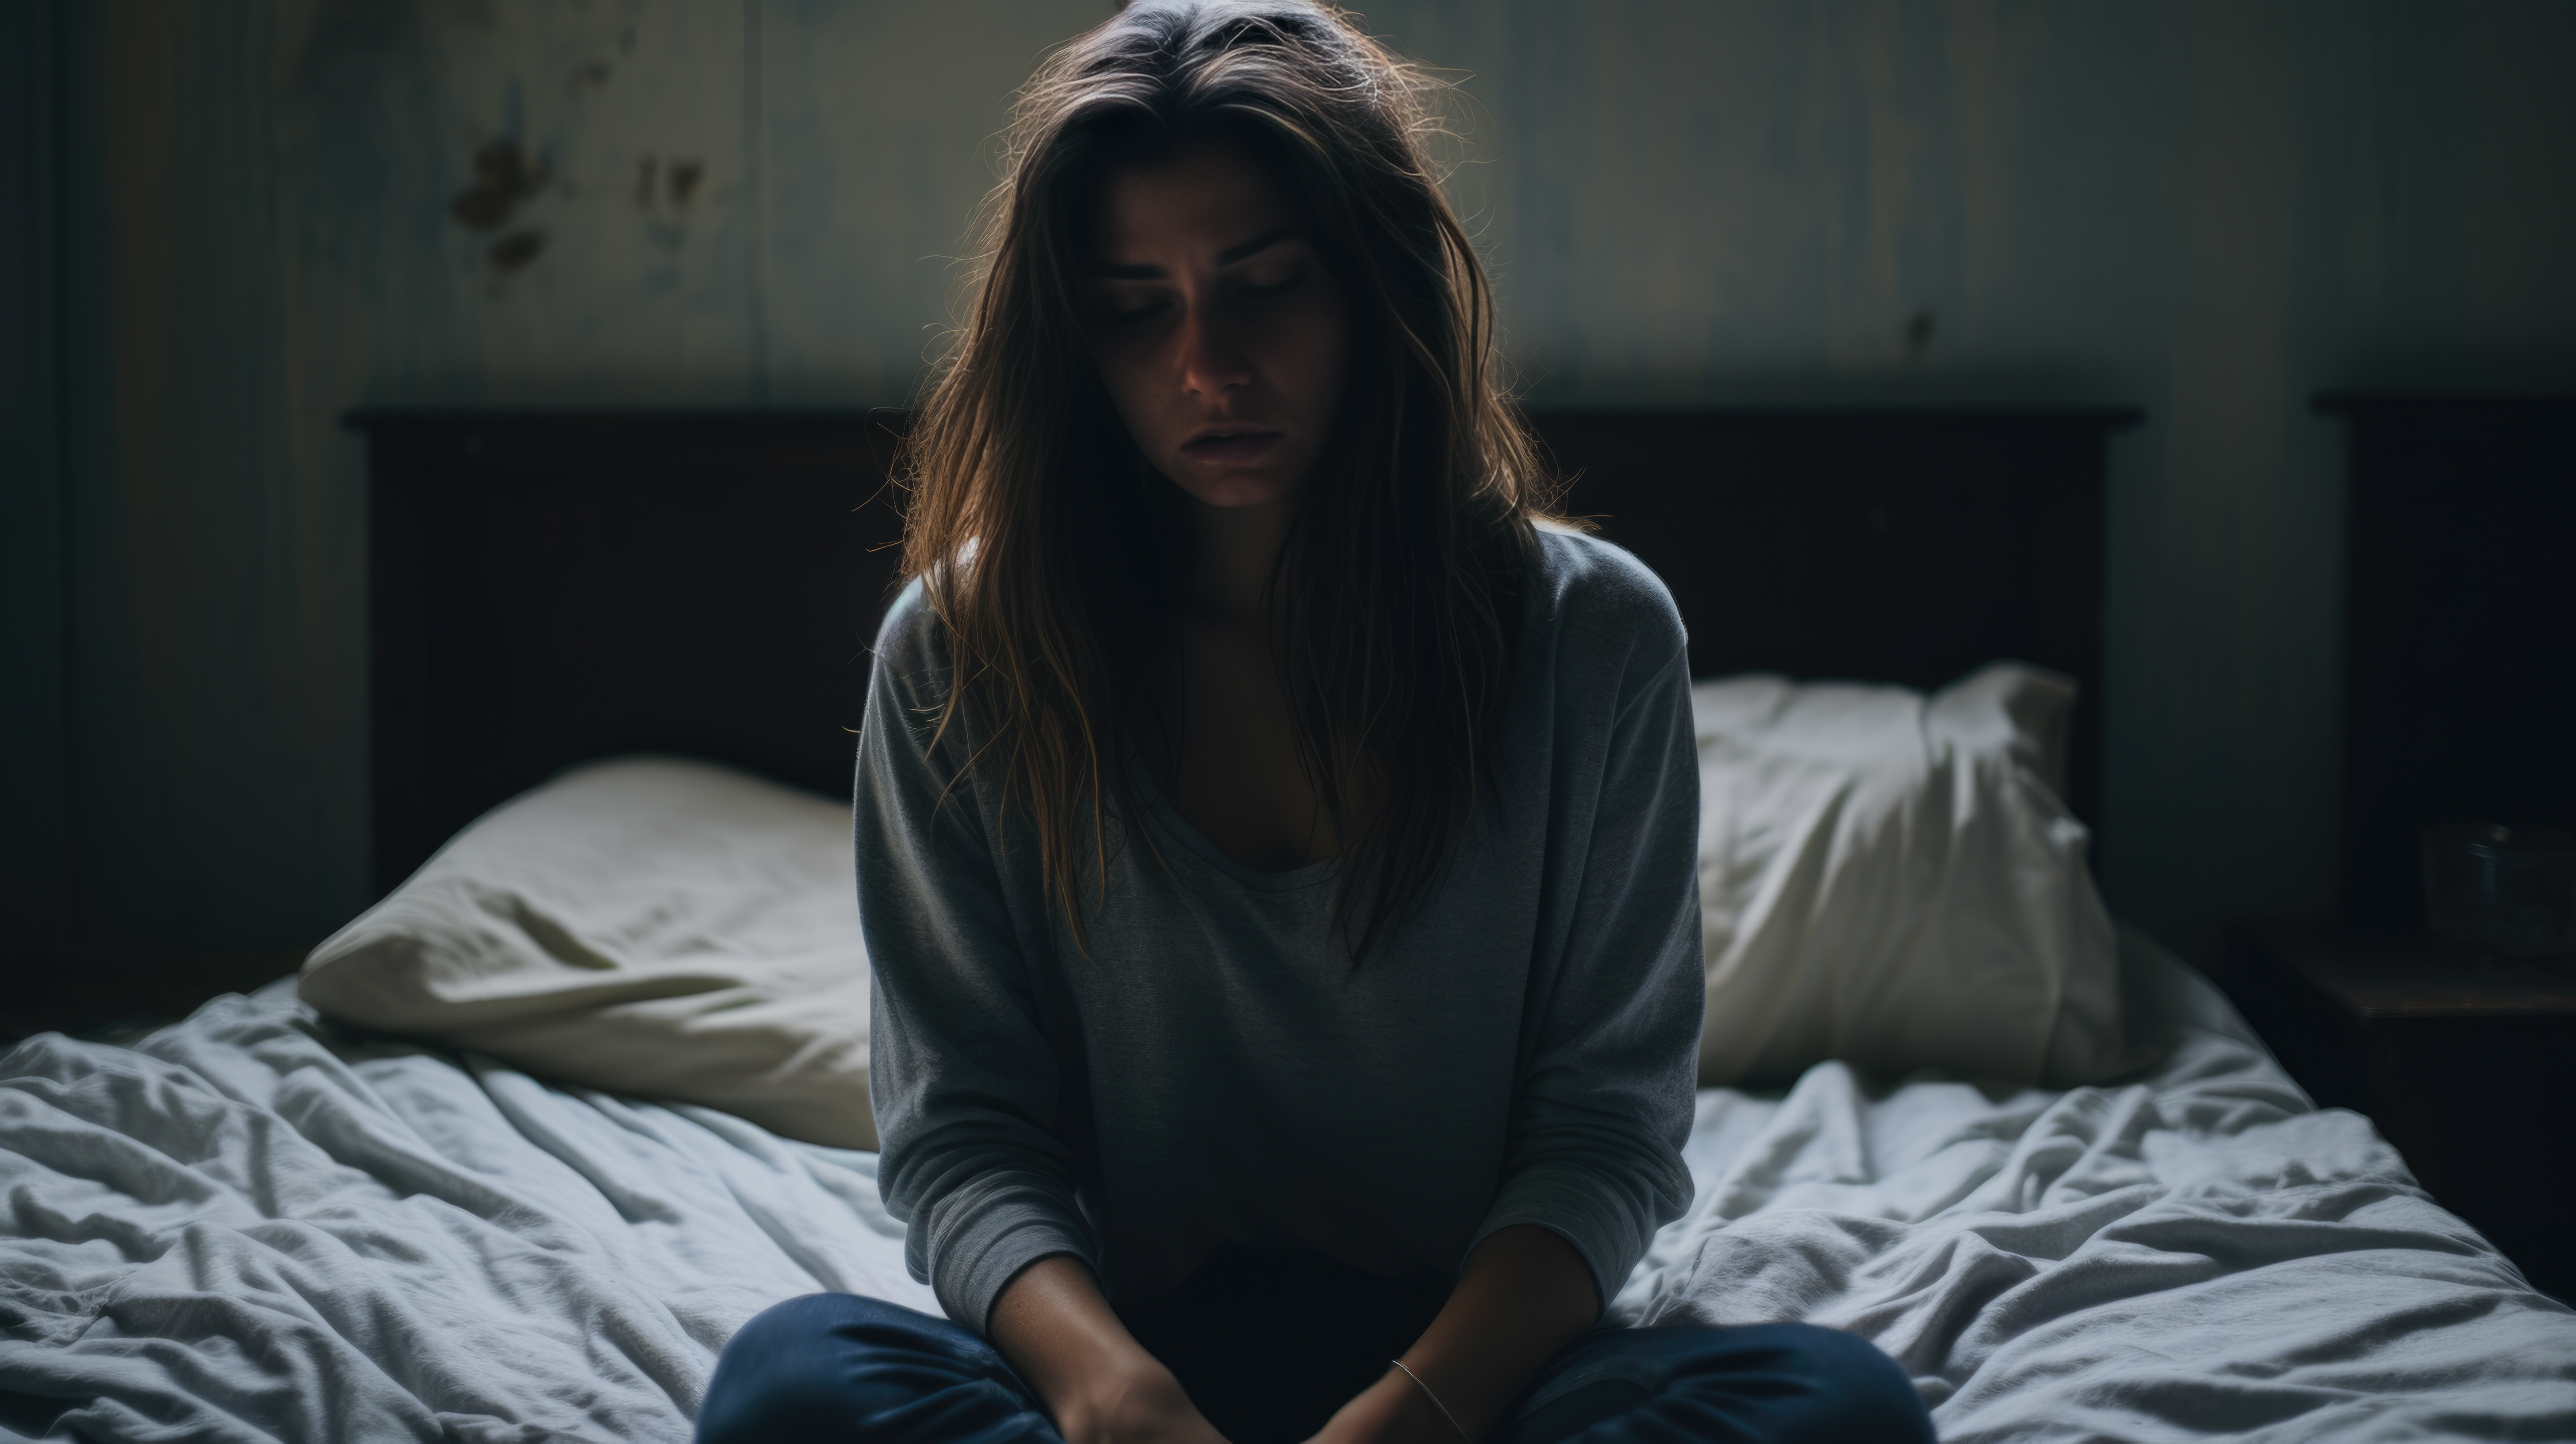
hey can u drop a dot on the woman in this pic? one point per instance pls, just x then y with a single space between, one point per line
1275 836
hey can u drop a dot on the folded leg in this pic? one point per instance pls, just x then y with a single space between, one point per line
1758 1384
840 1366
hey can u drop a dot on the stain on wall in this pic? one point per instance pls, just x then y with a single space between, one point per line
282 209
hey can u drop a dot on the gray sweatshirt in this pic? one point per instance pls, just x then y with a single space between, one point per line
1519 1050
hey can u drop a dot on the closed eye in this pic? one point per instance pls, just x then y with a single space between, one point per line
1275 288
1112 314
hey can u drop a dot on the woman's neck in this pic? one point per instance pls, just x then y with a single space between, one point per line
1237 547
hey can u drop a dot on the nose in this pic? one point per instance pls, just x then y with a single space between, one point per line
1211 361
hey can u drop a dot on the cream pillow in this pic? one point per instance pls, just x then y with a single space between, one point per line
645 925
1892 880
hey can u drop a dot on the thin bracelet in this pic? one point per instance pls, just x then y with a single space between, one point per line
1435 1401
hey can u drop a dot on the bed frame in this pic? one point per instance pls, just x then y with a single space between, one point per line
552 587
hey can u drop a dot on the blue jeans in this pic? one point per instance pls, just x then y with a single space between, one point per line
840 1366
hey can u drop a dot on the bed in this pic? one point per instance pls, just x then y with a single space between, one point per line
258 1224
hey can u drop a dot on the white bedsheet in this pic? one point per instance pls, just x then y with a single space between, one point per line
238 1231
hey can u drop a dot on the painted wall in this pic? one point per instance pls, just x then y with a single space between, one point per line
35 775
274 211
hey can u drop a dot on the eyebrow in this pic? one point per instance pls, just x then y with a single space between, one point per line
1227 257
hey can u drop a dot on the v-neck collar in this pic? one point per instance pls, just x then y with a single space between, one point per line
1168 821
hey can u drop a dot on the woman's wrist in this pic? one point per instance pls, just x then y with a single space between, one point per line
1058 1332
1117 1387
1524 1294
1394 1410
1419 1388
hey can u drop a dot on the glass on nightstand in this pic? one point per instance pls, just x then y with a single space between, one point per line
2507 891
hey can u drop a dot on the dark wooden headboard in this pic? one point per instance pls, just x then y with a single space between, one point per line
553 587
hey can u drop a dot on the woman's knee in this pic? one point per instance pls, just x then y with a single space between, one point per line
1776 1383
827 1366
789 1323
1825 1384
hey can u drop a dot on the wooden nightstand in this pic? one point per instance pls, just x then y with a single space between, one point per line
2468 1066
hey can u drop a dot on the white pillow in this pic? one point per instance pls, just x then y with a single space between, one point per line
645 925
1893 881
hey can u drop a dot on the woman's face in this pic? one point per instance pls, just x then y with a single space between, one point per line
1221 336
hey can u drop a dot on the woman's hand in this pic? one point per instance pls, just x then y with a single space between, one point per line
1097 1382
1524 1295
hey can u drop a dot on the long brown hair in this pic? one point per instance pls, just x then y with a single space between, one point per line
1051 552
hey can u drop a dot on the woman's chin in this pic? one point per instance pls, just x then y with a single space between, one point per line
1231 489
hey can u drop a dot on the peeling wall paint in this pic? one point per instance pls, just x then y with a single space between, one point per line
280 210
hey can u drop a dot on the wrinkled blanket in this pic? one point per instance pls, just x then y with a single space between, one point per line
245 1228
236 1231
2199 1254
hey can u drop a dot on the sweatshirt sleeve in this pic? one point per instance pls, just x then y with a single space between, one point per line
1606 1095
964 1081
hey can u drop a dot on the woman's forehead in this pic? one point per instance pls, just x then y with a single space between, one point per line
1202 202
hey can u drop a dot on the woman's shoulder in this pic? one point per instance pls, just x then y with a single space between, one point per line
912 623
911 641
1592 586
